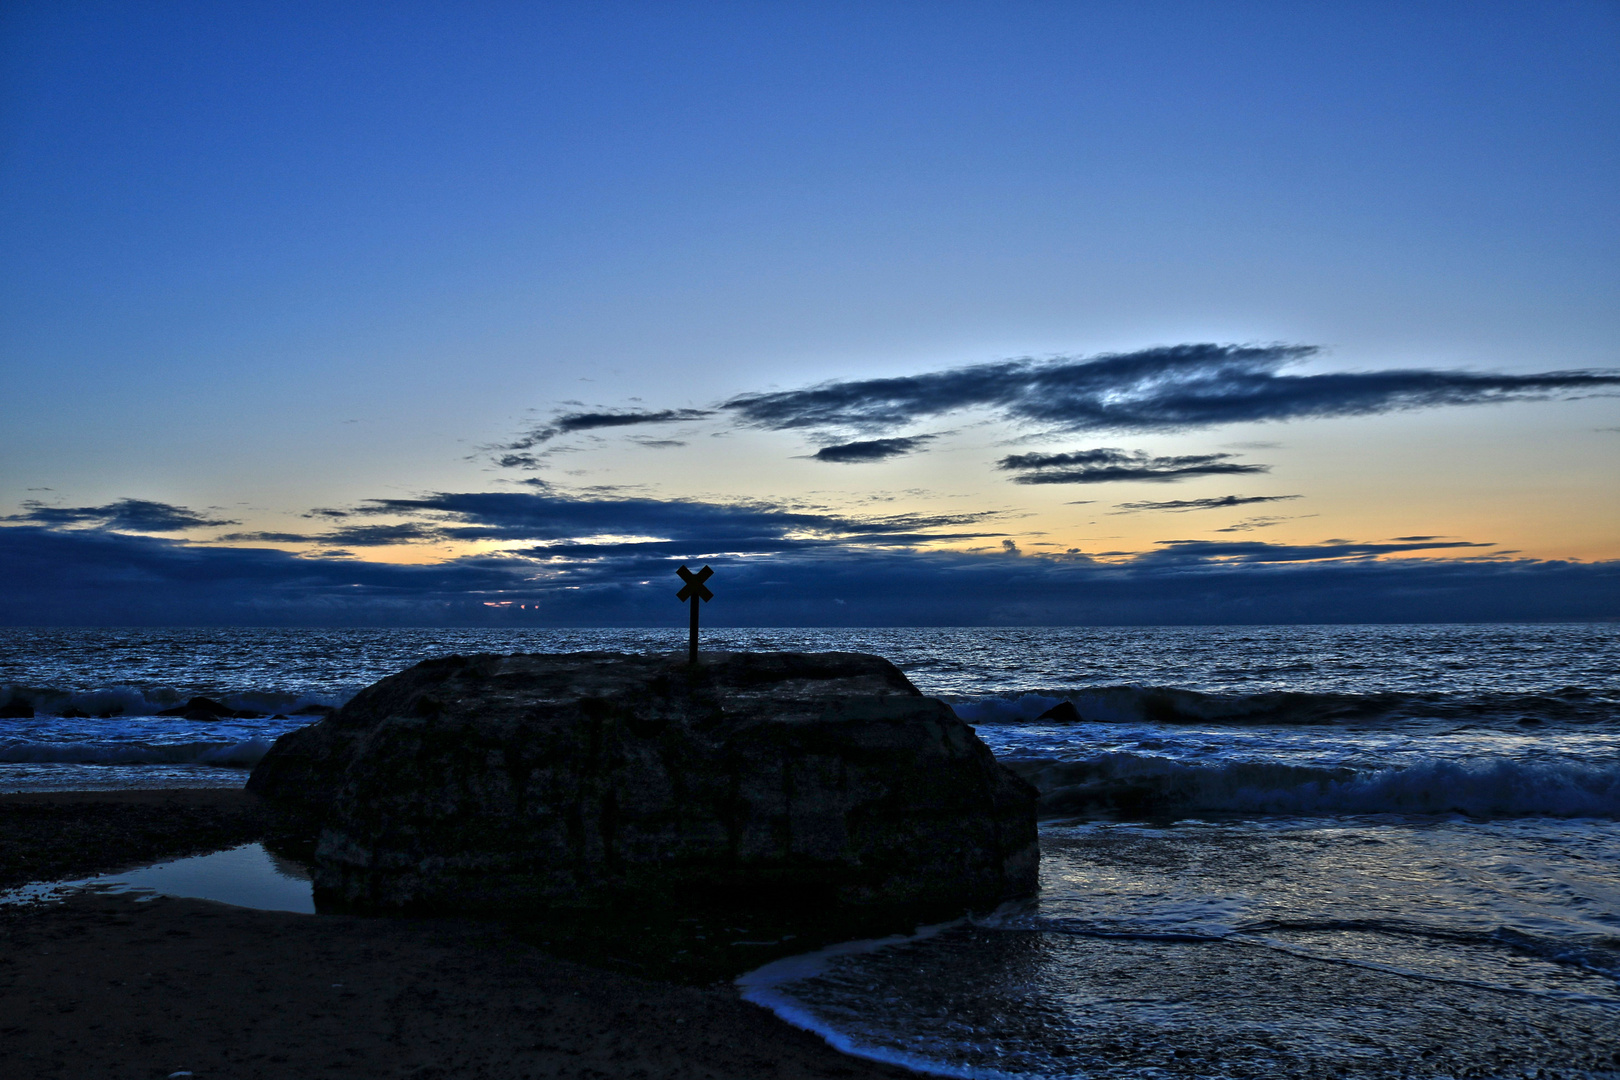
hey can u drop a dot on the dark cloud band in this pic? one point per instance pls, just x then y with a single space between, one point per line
1108 464
95 577
871 450
572 525
125 515
1181 506
515 455
1163 389
586 421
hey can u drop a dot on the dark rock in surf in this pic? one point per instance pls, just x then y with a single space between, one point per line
567 781
202 710
199 708
1063 712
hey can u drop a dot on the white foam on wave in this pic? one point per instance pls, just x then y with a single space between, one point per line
765 987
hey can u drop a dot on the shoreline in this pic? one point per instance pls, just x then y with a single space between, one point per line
114 985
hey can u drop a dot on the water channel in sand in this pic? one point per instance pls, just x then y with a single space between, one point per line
247 876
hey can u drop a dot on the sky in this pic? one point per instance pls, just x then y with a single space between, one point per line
894 313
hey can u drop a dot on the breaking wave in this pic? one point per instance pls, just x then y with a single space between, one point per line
1136 785
150 701
243 754
1168 705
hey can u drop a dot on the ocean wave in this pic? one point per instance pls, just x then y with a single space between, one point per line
1169 705
1135 785
109 701
237 755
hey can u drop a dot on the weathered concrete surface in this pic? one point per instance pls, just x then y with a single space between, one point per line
565 781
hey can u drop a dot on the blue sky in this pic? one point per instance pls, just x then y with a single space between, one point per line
1084 312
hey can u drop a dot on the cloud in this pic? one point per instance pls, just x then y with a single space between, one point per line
381 535
1182 506
586 421
871 449
351 535
514 455
91 577
126 515
599 525
1107 464
1255 551
1251 524
100 578
1168 388
689 526
261 537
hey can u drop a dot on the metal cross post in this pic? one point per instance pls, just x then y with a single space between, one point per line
694 590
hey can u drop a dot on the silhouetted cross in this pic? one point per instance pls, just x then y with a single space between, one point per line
694 590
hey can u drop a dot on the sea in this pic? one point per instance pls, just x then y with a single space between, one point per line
1313 851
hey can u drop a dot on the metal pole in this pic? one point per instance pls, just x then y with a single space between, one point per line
691 648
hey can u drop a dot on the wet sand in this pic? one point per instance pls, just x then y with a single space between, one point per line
109 986
58 835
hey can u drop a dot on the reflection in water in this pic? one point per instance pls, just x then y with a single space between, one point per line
246 876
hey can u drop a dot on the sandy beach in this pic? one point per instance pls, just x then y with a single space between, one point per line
109 986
